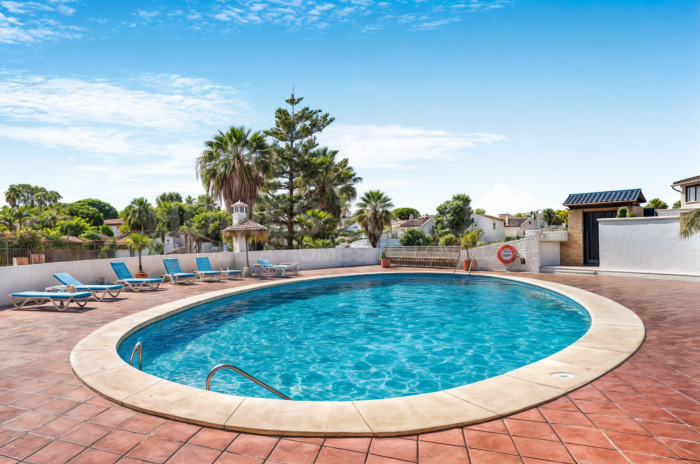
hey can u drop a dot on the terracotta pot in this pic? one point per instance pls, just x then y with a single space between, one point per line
386 262
468 262
141 275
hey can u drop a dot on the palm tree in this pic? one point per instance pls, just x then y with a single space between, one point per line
317 223
235 166
373 213
22 215
550 217
138 243
332 183
690 224
138 214
7 218
52 215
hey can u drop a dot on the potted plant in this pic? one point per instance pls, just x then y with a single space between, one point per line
471 240
138 243
386 262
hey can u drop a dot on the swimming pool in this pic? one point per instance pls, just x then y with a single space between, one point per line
364 337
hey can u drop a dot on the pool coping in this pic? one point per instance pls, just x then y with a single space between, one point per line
615 334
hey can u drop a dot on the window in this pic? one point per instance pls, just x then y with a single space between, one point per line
494 226
691 193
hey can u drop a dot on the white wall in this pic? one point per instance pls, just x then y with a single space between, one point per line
528 248
549 253
37 277
650 244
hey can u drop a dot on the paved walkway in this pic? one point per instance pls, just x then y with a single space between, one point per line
646 411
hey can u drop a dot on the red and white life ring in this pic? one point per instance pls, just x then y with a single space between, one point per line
506 254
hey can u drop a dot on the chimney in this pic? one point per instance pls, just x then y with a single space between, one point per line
239 211
410 217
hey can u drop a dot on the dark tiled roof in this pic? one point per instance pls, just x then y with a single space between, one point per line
613 196
417 222
689 179
516 222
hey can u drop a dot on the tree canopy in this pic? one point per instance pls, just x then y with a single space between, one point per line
106 210
480 211
30 196
405 213
82 210
454 216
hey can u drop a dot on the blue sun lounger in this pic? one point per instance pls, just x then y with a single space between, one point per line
59 300
67 279
124 277
204 270
175 274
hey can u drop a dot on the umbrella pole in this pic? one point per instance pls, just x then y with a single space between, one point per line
246 270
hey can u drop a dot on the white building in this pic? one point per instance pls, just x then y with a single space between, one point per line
114 224
427 223
493 227
516 227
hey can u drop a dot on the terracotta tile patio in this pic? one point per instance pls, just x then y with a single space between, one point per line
646 411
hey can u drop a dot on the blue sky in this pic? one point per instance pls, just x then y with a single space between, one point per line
516 103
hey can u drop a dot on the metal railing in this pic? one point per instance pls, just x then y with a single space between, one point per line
244 374
138 347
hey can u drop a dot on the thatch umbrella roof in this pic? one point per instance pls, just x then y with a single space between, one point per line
247 229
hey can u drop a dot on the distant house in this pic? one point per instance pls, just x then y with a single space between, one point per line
114 224
690 192
427 223
493 227
517 226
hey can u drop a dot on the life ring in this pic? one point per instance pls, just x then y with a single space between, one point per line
506 254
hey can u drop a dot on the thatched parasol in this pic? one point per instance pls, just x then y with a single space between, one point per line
247 229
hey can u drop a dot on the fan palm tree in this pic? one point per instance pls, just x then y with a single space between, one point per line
52 215
690 224
317 223
332 182
138 214
373 213
234 166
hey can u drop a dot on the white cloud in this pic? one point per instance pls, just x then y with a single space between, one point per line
505 200
14 31
371 146
174 104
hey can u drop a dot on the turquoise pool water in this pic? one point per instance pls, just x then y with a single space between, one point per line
365 337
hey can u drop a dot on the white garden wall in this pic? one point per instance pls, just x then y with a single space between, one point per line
528 248
37 277
647 245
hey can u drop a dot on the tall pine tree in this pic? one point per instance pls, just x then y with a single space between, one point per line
294 138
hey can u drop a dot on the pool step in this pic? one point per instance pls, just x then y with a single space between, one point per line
568 270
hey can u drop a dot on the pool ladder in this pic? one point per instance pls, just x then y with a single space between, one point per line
138 347
246 375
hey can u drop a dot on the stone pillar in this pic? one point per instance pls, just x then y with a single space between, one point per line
533 260
572 249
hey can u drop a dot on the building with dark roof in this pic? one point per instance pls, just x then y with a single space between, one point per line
582 246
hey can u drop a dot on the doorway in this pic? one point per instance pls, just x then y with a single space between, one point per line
591 244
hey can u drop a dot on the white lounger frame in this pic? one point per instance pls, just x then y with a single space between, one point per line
61 304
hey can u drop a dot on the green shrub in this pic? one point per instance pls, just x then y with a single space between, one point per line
622 212
405 213
91 235
677 205
76 227
106 230
449 240
382 256
481 243
415 237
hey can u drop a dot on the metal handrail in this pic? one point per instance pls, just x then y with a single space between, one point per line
133 352
246 375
